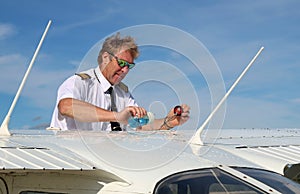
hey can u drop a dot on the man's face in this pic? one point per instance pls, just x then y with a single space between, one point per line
112 71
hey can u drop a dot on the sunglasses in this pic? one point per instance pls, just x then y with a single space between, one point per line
122 63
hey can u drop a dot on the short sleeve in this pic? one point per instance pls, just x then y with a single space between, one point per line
71 88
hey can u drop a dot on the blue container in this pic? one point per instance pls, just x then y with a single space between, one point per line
135 122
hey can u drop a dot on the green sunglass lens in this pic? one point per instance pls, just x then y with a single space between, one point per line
130 66
123 63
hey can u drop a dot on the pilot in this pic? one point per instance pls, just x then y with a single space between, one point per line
97 99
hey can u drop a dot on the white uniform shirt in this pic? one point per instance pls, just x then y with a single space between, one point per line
92 91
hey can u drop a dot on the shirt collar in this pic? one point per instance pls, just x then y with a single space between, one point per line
104 83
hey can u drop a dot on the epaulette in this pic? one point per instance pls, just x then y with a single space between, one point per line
123 86
83 76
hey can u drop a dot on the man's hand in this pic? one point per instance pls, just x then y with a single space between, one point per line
173 120
129 111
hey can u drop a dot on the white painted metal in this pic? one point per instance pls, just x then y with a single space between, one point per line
20 152
196 139
267 148
4 126
72 150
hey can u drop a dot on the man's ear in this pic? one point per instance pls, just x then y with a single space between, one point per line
105 58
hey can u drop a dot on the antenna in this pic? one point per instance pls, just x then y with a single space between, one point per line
4 127
196 139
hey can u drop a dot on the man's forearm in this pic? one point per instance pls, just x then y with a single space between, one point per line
158 124
84 112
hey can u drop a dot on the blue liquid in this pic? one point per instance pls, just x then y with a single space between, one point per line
135 122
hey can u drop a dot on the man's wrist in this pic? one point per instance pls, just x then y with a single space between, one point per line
166 124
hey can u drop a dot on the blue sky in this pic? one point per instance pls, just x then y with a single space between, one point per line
232 31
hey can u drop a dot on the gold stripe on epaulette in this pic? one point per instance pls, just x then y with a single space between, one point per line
83 76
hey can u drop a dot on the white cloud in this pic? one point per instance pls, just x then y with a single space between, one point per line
258 113
89 19
6 30
10 59
296 100
41 85
12 67
74 63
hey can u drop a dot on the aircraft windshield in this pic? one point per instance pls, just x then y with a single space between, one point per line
215 181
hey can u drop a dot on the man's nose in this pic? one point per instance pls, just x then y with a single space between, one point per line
125 69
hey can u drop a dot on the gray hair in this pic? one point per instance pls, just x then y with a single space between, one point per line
115 43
